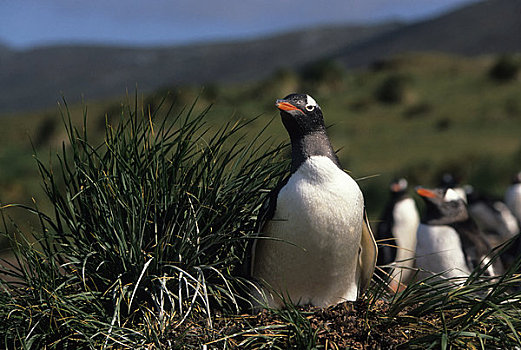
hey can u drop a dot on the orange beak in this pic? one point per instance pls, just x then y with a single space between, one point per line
426 193
285 106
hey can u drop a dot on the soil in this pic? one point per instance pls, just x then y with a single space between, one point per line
350 325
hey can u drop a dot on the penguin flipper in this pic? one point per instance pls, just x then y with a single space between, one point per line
265 214
367 256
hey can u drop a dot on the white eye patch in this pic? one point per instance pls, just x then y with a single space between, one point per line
451 195
310 102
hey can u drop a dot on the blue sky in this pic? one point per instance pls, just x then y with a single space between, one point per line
26 23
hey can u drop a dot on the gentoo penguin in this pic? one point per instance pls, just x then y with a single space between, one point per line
448 240
315 245
513 201
493 217
513 197
396 233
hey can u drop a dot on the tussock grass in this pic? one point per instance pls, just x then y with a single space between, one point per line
146 240
146 231
480 312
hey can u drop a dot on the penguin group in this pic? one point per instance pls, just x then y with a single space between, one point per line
314 243
457 232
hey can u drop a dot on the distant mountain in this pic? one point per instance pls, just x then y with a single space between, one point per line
487 27
35 78
5 51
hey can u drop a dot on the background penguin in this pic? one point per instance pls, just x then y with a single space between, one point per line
396 233
448 240
513 196
315 244
513 201
492 216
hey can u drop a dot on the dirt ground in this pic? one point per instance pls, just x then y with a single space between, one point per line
344 326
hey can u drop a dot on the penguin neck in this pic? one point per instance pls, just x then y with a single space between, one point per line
434 216
471 239
468 225
311 144
398 196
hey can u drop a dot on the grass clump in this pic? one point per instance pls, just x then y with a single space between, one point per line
147 230
482 313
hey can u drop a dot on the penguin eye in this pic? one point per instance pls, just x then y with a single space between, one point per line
309 108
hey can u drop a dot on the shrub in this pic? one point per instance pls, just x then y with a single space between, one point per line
45 130
505 68
443 124
327 73
393 89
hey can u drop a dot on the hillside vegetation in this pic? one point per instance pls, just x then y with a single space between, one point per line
39 75
416 115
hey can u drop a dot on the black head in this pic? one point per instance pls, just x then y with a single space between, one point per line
516 179
448 180
444 206
301 115
302 118
398 186
398 189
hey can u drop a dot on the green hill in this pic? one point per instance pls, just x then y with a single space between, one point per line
34 78
417 115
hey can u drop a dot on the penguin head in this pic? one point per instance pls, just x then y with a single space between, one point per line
300 114
516 179
398 185
444 206
448 180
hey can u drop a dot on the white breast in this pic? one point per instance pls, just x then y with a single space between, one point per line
319 217
406 221
439 249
